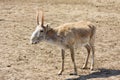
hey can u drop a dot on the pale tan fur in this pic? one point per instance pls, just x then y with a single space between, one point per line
70 35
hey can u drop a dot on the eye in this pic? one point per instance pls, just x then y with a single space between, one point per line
41 30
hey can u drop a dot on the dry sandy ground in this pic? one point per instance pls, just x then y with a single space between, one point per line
21 61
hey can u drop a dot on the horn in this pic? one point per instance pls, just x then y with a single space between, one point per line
42 18
38 18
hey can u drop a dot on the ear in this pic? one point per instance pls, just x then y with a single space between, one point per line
37 18
42 18
47 27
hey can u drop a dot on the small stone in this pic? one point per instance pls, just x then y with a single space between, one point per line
8 65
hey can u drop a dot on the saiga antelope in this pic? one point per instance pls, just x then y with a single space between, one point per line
67 36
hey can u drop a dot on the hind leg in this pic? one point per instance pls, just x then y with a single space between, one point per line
86 60
92 59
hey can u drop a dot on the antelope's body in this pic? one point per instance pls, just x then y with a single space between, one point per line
75 34
68 36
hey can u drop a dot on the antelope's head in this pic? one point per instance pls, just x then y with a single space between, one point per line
40 31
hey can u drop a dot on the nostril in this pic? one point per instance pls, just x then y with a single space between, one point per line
31 42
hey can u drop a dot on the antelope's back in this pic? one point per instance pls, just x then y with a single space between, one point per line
77 32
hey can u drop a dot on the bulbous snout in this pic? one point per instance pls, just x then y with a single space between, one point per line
34 41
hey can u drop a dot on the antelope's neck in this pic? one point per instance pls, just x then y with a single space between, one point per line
51 35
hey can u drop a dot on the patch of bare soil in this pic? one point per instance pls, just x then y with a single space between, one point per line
20 60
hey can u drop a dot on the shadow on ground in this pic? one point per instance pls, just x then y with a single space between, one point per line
101 73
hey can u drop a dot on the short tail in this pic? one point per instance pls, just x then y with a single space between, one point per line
93 31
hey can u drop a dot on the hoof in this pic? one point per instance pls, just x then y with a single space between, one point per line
73 73
60 72
92 69
84 67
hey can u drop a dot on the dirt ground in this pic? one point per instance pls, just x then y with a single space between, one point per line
19 60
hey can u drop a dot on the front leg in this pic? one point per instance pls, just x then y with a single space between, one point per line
73 60
63 55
